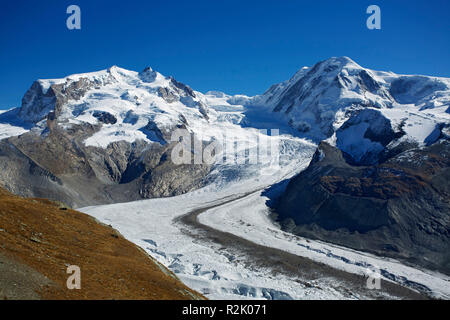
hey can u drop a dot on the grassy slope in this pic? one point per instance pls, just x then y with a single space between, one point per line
38 236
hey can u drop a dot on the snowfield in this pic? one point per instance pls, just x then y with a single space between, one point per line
10 128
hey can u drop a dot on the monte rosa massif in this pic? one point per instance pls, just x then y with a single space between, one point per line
359 180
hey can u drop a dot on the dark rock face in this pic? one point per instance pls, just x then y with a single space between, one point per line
400 208
147 75
168 95
178 91
58 166
154 133
105 117
185 88
38 102
368 83
364 136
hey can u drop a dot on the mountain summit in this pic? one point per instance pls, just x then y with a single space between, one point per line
361 110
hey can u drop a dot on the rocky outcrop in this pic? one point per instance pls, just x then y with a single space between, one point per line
399 208
168 95
105 117
365 135
40 100
59 166
178 91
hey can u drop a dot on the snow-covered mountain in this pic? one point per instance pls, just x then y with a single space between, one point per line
115 126
100 137
130 105
375 106
361 110
105 137
379 182
367 114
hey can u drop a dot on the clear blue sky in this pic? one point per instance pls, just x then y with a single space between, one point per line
234 46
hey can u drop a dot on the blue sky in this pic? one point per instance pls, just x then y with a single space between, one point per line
234 46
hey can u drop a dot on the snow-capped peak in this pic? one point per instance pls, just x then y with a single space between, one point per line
125 103
148 75
318 101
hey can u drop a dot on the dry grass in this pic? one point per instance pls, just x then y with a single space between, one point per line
37 233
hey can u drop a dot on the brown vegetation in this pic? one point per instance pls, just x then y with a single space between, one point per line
44 237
